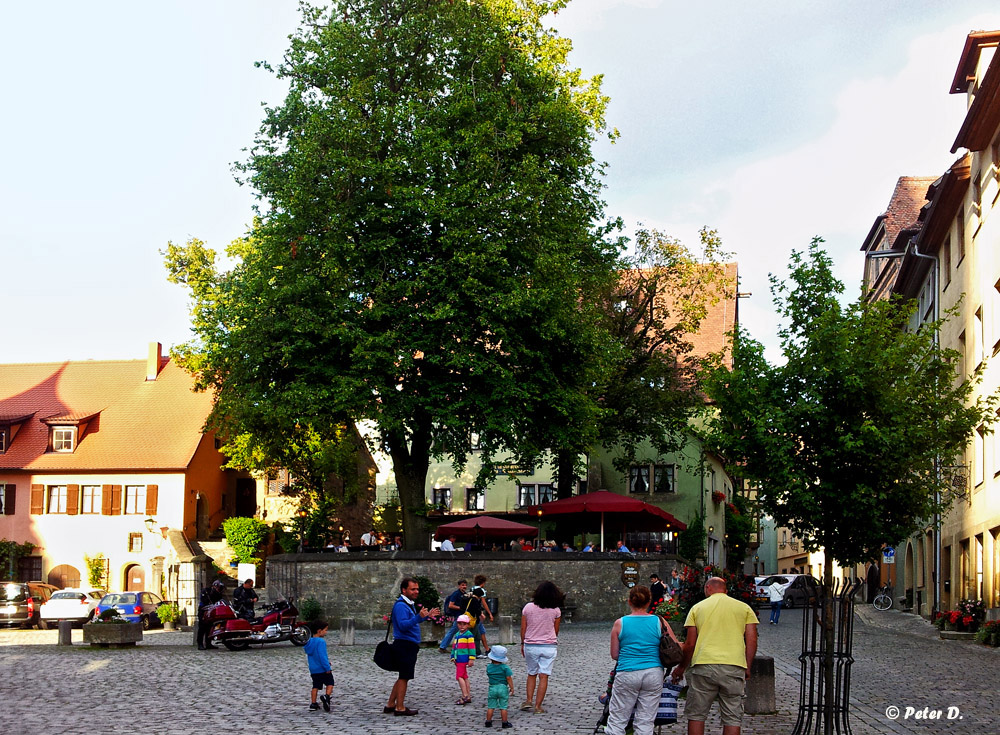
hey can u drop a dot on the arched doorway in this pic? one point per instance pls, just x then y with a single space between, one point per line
909 574
64 576
135 578
873 581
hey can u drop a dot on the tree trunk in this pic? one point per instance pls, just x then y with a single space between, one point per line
410 461
828 626
565 472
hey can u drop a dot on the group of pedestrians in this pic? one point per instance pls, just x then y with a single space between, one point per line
719 646
540 621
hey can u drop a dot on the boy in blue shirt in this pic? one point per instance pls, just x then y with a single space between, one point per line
319 664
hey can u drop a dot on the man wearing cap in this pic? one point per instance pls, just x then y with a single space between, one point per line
209 596
501 684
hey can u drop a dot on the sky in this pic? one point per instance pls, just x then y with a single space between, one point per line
772 122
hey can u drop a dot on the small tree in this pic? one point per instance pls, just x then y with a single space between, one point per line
245 536
845 437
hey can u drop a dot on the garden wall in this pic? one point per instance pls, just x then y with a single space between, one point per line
363 585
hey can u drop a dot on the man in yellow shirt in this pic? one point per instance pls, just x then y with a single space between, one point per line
720 645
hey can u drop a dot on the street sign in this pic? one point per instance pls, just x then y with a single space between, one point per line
888 555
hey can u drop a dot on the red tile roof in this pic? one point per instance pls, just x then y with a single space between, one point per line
126 423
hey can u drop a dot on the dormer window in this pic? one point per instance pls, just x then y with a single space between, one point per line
63 438
3 439
66 430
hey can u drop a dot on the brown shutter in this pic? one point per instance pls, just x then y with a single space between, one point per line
116 500
37 499
105 500
72 499
151 492
8 500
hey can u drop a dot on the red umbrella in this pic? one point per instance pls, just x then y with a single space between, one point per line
604 502
475 527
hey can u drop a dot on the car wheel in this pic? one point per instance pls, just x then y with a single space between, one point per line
145 622
789 602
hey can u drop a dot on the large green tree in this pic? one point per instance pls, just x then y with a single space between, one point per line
845 437
429 220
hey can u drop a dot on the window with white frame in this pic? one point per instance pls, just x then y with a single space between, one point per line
638 478
526 495
663 479
441 497
135 500
63 438
90 499
978 338
3 498
57 499
475 499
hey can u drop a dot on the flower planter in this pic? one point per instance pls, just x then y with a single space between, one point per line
432 635
112 635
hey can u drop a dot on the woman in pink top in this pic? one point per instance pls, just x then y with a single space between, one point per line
539 635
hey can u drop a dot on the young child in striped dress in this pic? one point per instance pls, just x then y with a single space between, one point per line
463 653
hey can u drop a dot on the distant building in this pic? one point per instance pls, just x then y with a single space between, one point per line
947 258
110 458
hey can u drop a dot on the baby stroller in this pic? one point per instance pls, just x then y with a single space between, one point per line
666 711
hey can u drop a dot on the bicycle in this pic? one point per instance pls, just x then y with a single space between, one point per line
883 600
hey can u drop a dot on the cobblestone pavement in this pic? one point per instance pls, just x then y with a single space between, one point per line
165 685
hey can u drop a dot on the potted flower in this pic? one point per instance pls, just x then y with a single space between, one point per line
718 497
169 614
671 611
109 629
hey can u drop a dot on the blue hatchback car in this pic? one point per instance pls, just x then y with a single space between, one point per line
135 607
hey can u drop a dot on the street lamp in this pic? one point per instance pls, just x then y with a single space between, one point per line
303 514
538 538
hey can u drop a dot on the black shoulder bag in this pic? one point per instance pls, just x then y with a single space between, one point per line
670 653
385 655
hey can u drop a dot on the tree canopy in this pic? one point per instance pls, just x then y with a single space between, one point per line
429 219
845 438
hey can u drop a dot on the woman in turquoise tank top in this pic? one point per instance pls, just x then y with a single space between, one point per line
635 645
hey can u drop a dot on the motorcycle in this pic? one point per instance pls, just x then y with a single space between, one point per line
278 623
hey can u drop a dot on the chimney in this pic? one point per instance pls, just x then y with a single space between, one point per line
153 360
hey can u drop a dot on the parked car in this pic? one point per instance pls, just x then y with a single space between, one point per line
135 607
759 592
73 604
21 603
800 590
762 583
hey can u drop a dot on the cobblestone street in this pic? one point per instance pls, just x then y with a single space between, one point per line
165 685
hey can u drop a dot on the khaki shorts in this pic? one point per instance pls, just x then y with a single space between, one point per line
706 682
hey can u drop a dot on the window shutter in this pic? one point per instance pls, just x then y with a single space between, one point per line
72 499
151 491
37 499
8 500
105 500
116 500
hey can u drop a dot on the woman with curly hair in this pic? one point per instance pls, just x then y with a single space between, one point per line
540 620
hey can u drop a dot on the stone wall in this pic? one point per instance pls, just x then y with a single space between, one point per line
363 585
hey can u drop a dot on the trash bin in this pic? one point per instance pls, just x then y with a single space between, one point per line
493 603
